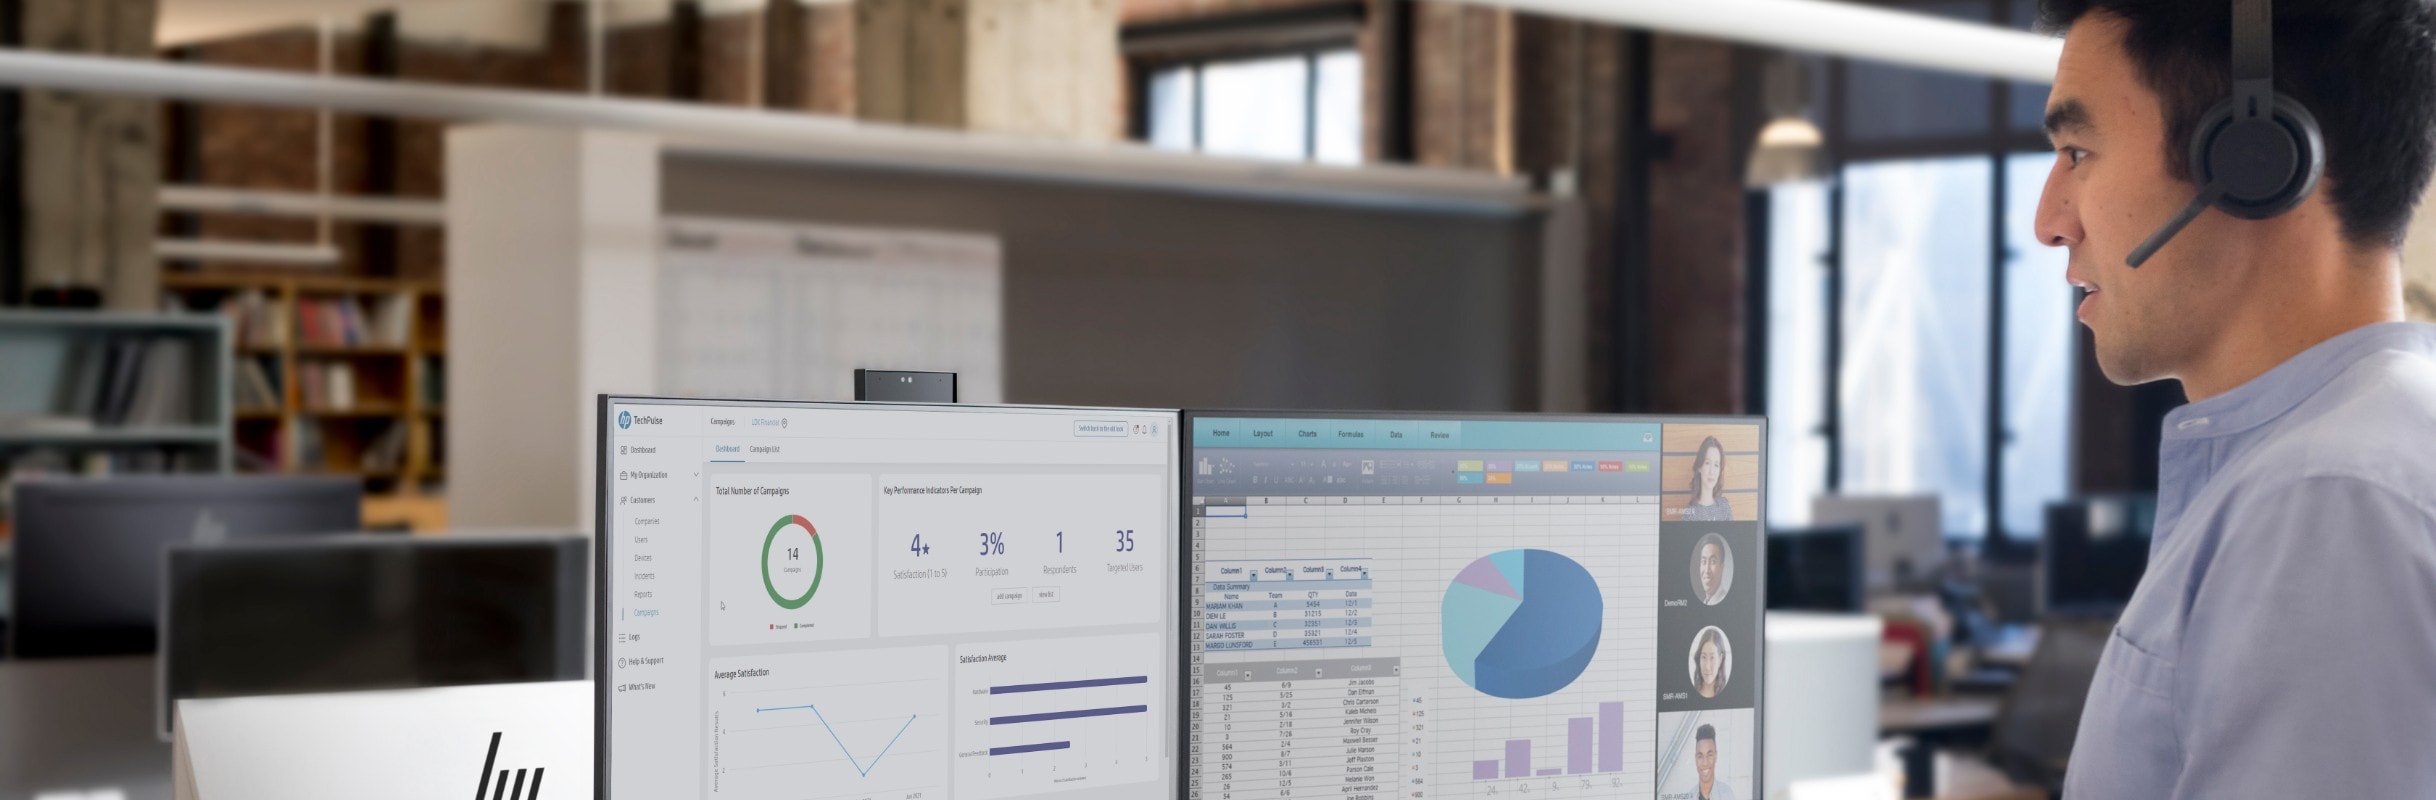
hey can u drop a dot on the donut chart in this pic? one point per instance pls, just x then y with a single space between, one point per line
786 562
1520 624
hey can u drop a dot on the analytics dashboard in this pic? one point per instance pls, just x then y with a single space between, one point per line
1392 606
805 601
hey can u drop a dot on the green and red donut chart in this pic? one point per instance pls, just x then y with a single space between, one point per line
819 561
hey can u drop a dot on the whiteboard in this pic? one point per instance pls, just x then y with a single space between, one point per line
789 311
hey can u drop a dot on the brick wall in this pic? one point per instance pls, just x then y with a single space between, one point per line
255 147
272 148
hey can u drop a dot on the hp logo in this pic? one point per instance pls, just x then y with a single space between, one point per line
504 792
625 419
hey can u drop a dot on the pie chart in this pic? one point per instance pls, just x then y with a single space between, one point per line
1520 624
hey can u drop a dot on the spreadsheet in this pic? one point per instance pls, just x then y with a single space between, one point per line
1320 620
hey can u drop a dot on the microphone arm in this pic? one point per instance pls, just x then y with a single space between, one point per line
2207 197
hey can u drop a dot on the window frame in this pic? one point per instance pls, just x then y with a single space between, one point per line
2000 141
1138 128
1306 32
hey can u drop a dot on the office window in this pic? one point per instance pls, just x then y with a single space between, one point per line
1797 346
1916 326
1304 106
1919 338
1915 309
1174 108
2039 334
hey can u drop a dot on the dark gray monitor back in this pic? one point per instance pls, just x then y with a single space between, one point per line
1816 569
87 567
372 612
2095 551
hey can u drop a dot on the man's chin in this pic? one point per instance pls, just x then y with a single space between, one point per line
2122 365
2126 372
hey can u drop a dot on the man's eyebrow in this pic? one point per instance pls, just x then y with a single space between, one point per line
2068 116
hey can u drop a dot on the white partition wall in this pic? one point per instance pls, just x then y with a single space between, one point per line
561 244
552 262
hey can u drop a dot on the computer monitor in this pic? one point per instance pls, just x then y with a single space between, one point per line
1394 605
372 612
1816 569
1905 540
88 552
871 600
2095 552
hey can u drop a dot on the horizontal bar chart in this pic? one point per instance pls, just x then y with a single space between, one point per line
1015 749
1079 714
1063 685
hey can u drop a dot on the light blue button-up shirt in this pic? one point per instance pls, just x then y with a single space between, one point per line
2283 641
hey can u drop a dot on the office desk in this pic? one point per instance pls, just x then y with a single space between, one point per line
81 724
1971 778
1909 715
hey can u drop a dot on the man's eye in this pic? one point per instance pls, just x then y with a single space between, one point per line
2072 155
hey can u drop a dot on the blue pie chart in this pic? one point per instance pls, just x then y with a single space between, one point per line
1520 624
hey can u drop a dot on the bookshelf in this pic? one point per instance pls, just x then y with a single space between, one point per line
102 393
332 373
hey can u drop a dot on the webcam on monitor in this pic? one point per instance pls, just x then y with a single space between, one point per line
902 386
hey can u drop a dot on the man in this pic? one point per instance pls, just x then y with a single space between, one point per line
1704 756
1712 571
2283 641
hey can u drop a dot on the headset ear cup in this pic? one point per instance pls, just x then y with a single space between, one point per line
2296 155
2311 143
2211 123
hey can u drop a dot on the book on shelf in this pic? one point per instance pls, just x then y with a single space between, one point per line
256 318
164 392
125 381
387 453
392 319
327 385
124 367
435 383
370 321
308 446
258 384
251 461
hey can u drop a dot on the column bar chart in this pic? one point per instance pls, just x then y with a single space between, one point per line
1578 745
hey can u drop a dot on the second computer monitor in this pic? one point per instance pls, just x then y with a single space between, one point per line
1476 606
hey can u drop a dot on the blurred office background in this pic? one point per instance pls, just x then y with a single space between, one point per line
286 280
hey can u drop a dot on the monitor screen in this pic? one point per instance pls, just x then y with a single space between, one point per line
350 613
1471 607
899 602
88 551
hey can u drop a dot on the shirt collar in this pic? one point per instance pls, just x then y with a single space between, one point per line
2270 395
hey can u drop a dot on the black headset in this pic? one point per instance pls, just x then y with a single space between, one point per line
2257 153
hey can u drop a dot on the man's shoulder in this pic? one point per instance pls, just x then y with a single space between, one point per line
2374 425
